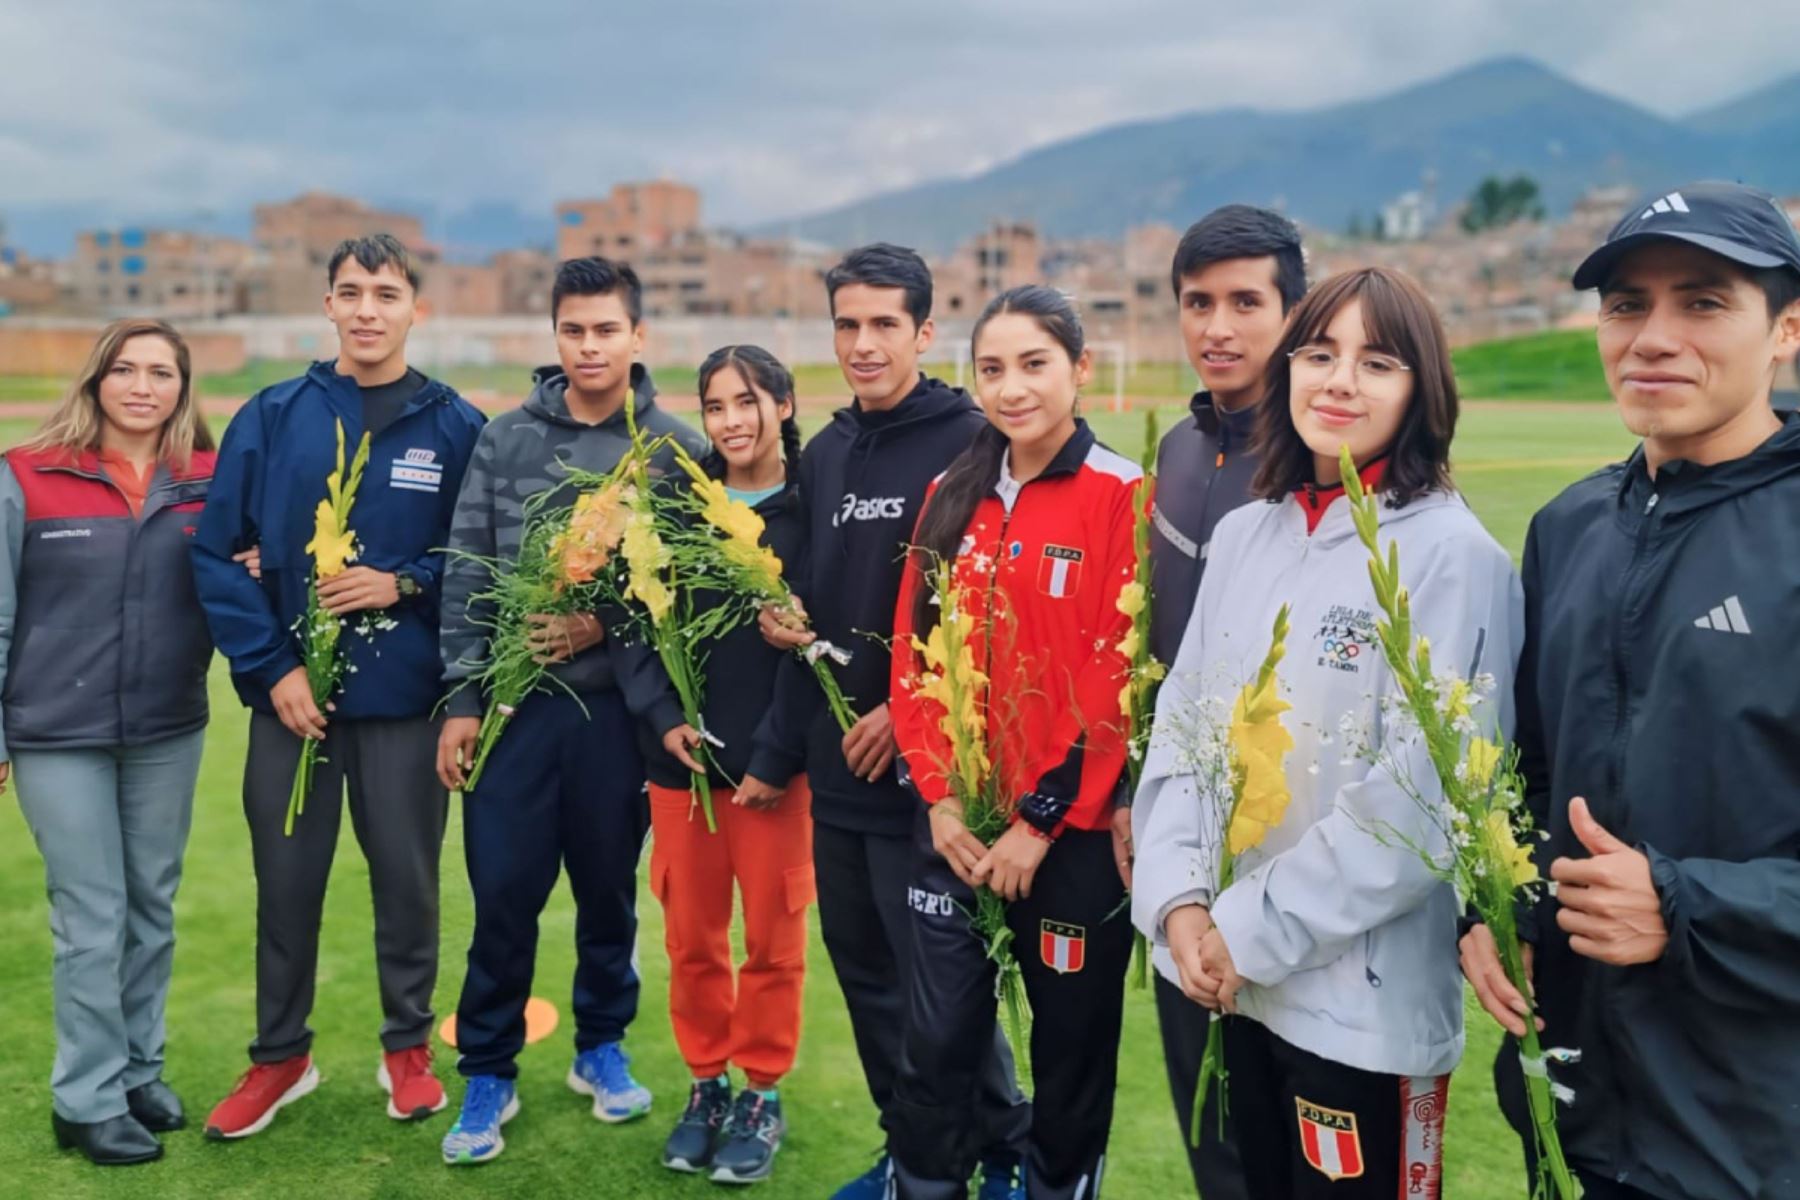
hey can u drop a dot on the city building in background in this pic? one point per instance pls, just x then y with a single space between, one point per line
1492 271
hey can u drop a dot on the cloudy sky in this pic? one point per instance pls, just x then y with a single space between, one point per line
164 109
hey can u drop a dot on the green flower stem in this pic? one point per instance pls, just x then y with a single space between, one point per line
841 711
493 723
1212 1062
681 673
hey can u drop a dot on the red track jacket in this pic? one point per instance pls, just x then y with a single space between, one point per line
1047 560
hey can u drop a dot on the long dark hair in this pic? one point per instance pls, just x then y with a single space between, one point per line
1399 319
763 372
976 470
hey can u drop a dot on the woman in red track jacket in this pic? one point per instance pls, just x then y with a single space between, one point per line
1036 518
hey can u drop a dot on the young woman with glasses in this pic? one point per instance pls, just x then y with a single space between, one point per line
1333 950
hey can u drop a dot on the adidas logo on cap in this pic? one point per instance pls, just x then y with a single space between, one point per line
1669 203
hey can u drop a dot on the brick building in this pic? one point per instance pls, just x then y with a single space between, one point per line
157 272
634 218
27 285
294 241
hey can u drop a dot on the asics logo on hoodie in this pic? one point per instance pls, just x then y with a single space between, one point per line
874 508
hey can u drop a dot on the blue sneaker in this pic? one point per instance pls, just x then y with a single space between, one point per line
605 1074
877 1183
488 1103
1001 1180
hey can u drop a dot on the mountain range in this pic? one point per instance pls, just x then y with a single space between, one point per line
1325 166
1328 166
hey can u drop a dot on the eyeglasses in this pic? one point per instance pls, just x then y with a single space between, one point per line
1315 364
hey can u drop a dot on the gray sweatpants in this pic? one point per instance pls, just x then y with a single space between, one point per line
398 809
111 824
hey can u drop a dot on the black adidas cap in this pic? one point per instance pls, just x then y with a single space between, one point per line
1729 219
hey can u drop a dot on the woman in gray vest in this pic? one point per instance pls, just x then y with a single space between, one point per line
103 654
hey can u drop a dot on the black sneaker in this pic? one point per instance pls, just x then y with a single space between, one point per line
690 1146
751 1137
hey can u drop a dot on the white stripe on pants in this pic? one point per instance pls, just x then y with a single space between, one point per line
111 824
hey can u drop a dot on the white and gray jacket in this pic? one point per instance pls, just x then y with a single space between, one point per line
1347 941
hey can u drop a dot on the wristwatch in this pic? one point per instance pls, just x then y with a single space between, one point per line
405 584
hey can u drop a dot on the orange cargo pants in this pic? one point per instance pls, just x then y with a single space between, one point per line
752 1021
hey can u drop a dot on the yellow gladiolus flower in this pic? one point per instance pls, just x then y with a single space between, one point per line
332 548
1132 598
1259 742
1514 858
1456 704
1128 645
654 595
1482 760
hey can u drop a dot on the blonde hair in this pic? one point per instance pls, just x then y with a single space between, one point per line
76 422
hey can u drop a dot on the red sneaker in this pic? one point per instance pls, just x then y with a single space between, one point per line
259 1094
413 1091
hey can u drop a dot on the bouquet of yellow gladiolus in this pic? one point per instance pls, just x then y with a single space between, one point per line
1482 814
1137 699
333 547
736 553
663 568
951 680
558 571
1256 747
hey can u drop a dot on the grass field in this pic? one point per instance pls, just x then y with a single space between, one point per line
339 1145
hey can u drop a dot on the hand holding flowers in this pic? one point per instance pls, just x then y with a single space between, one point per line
333 548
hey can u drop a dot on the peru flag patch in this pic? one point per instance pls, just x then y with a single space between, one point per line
1062 947
1329 1141
1059 571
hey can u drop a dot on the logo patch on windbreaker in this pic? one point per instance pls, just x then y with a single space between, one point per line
1345 636
1329 1141
418 471
1059 571
1062 947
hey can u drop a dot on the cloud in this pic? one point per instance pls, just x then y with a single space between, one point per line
174 108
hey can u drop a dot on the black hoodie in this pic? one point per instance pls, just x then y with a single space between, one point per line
863 478
1657 681
740 671
515 459
1203 471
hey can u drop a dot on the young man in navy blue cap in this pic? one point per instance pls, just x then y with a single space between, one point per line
1657 725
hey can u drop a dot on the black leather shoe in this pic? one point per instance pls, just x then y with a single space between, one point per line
112 1143
157 1107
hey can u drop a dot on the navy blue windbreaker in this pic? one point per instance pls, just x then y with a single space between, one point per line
267 485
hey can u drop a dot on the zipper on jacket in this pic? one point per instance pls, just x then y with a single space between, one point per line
1206 499
1615 774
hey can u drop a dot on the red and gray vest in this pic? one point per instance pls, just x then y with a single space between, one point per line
109 644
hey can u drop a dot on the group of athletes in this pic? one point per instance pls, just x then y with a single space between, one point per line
1635 663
